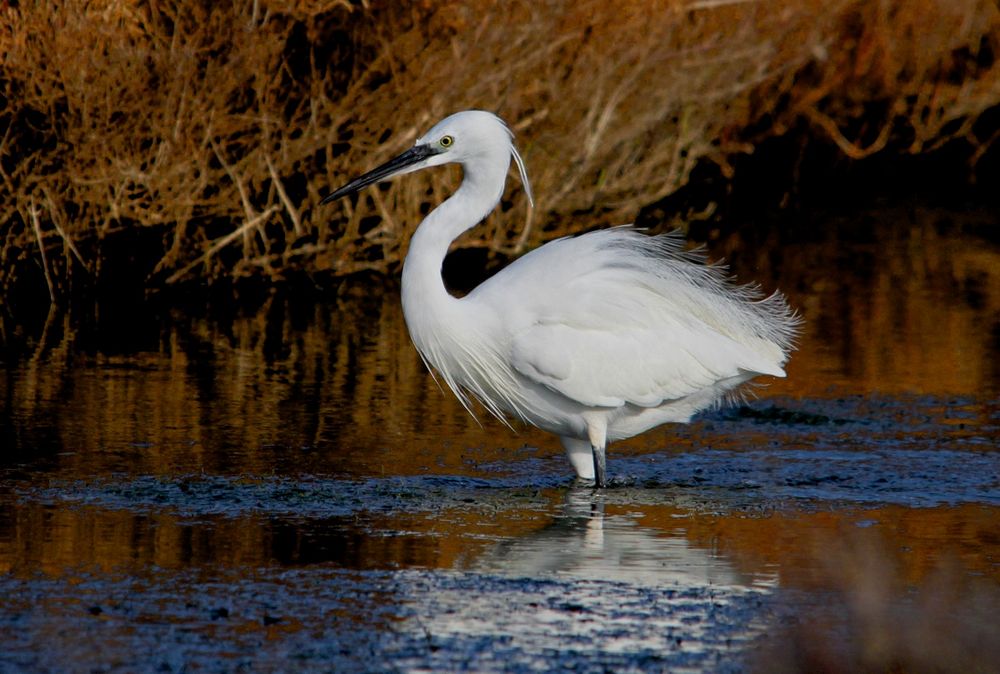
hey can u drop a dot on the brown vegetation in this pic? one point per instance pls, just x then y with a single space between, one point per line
205 133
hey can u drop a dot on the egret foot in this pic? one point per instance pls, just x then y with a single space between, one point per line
600 467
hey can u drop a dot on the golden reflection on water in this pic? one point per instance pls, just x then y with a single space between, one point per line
908 304
336 389
870 558
916 313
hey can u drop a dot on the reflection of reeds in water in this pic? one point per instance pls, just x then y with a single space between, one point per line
809 550
875 616
341 381
882 589
896 300
59 541
338 387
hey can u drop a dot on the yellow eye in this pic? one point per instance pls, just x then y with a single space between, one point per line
446 141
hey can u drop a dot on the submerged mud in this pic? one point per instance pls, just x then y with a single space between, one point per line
413 620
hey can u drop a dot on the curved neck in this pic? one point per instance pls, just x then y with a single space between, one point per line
423 288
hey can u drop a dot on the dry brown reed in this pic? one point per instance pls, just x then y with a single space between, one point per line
215 128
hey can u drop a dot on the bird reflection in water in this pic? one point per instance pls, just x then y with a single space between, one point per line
584 542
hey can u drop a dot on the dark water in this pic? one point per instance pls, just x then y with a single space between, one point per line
288 490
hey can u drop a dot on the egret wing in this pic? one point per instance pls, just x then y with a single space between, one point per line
614 317
605 353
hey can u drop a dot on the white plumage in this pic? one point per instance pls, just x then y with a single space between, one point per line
596 337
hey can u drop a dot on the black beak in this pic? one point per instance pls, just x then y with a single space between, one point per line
412 156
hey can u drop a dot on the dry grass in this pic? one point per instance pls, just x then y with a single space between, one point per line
215 128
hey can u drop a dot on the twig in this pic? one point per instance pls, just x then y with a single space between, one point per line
3 151
33 212
222 243
43 340
852 150
248 208
982 147
67 241
388 223
296 222
714 4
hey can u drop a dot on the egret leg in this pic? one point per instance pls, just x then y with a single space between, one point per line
597 433
600 467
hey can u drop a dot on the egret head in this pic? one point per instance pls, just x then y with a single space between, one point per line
464 138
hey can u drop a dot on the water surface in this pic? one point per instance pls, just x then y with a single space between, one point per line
217 490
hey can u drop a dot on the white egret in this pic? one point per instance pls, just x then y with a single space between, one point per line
596 337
